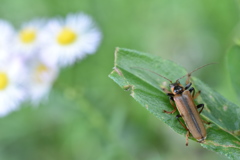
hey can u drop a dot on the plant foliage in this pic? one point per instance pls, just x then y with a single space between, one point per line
223 133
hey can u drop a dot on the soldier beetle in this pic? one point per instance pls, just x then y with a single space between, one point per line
182 99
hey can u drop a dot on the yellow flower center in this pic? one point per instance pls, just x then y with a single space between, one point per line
27 35
40 70
3 80
66 36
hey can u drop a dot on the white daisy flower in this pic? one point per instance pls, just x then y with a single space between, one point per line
5 54
7 34
70 39
12 91
28 41
42 77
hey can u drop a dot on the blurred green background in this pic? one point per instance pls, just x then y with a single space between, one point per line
88 116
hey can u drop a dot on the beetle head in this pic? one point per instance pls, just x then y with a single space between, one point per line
176 87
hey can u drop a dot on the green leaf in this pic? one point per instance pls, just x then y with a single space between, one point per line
223 133
233 66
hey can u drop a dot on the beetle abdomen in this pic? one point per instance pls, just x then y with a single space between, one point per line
190 115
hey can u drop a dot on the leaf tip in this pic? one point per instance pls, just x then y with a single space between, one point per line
118 71
115 56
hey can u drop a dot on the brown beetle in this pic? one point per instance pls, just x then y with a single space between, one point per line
182 99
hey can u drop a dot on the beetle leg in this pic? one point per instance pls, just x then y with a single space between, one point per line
206 122
192 90
196 95
188 78
170 94
188 85
171 101
200 106
178 116
174 106
187 135
166 91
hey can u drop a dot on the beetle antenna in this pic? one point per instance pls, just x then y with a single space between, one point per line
196 70
153 72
